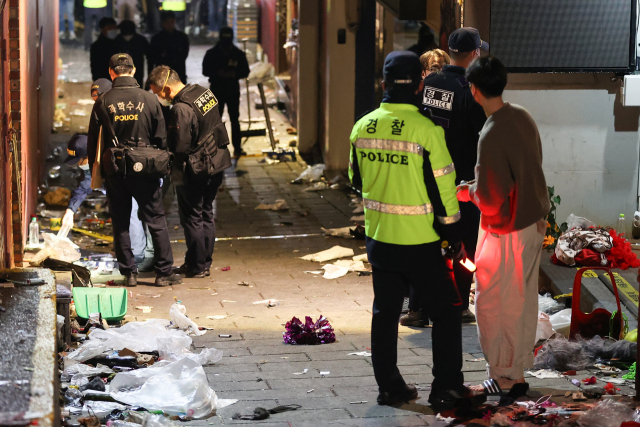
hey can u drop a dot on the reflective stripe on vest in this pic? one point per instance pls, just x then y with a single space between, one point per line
389 144
95 4
389 208
449 219
175 5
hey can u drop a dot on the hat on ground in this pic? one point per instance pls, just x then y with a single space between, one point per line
100 86
77 149
120 59
466 39
402 68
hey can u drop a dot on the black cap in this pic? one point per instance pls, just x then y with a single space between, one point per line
77 149
226 33
402 68
100 86
120 59
466 39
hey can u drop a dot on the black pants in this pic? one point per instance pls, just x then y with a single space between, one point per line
195 204
148 194
394 268
232 100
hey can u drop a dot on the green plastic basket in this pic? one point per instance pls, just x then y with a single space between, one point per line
111 303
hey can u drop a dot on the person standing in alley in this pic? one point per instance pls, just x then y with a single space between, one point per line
198 139
103 49
447 100
131 116
400 160
170 46
136 45
226 65
511 192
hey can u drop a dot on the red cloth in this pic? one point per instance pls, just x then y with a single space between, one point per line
588 258
621 256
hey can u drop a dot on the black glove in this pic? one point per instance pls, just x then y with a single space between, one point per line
454 251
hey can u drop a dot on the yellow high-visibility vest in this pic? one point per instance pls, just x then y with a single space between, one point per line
175 5
95 4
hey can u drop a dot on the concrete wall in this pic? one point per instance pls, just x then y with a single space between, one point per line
590 142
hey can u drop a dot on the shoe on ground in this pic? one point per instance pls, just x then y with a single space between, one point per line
410 392
468 316
448 399
207 272
174 279
131 280
184 271
414 318
147 265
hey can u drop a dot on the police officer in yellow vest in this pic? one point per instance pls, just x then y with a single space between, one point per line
400 160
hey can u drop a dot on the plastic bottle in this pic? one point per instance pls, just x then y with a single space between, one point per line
34 232
621 227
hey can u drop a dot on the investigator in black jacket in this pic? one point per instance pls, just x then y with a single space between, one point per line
225 65
135 117
170 46
198 139
103 49
136 45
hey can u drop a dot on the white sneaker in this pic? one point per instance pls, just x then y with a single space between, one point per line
62 35
72 36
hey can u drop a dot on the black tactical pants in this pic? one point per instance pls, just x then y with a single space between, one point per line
394 268
231 98
148 194
195 204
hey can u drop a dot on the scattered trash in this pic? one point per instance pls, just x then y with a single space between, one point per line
545 374
304 371
332 271
225 268
357 218
279 205
358 402
479 359
144 308
309 391
268 302
351 265
561 354
245 284
589 381
224 336
318 186
544 329
360 353
172 350
324 373
309 333
311 173
335 252
364 257
263 414
549 305
176 388
561 321
178 316
344 232
219 316
315 272
446 420
200 289
61 195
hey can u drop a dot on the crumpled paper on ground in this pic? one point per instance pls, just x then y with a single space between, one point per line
279 205
309 333
329 254
172 350
178 316
333 271
545 374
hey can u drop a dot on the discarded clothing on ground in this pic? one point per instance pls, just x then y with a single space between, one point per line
309 333
263 414
573 242
562 355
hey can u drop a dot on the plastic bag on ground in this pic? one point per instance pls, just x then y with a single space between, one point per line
58 248
139 336
100 409
547 304
561 321
177 316
607 413
88 350
176 388
544 330
170 350
312 173
578 222
333 271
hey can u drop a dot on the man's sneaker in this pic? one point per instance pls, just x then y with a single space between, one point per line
410 392
183 270
131 280
174 279
414 318
468 316
207 272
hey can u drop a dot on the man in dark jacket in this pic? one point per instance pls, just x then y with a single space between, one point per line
225 65
170 46
103 49
130 116
198 139
136 45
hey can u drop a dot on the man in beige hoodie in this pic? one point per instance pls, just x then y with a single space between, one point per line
511 193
